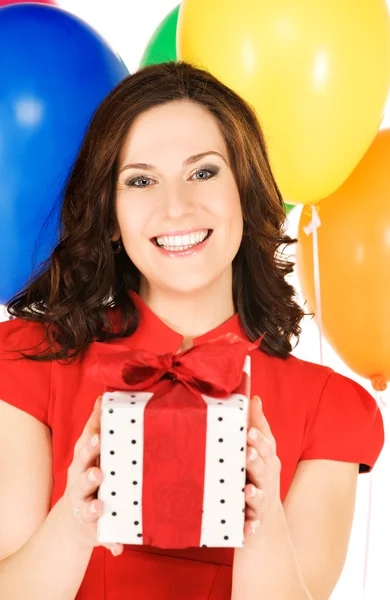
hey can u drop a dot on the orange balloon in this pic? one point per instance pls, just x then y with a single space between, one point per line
354 263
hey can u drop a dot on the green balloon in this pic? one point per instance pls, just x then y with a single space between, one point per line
289 207
162 48
162 45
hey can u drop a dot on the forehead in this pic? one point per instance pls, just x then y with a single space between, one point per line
173 130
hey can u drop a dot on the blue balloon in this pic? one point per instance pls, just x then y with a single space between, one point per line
54 72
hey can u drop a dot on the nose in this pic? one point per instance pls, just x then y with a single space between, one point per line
178 202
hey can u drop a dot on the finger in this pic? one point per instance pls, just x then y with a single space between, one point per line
251 527
116 549
252 458
256 467
254 497
265 430
87 456
257 412
250 512
259 451
265 445
256 417
90 511
93 423
90 481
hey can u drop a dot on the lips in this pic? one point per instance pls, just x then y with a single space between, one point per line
191 251
184 232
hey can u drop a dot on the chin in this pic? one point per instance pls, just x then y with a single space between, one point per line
185 287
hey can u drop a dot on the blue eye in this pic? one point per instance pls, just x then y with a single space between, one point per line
211 170
130 182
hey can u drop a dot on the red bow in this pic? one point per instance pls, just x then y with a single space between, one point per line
212 368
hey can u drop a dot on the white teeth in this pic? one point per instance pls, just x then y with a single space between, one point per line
182 242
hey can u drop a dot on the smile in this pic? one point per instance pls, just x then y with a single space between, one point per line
182 242
183 245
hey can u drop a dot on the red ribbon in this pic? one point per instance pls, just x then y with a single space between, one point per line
175 423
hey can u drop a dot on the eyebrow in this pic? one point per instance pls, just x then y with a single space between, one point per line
188 161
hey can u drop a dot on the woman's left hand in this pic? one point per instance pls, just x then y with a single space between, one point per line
263 471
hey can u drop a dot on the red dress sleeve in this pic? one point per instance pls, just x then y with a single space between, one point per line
345 424
24 383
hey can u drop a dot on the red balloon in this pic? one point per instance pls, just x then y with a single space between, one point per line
9 2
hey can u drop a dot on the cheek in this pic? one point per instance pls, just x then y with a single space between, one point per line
133 219
230 215
134 231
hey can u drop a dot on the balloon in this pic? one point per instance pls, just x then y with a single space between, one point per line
289 207
162 45
9 2
354 259
162 48
54 71
317 73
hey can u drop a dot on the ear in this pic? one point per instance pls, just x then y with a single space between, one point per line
116 233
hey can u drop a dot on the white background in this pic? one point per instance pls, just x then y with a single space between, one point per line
127 26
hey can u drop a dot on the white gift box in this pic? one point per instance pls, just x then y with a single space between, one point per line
121 462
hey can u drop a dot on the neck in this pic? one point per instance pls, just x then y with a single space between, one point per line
190 314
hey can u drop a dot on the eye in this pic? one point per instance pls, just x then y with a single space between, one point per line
211 170
131 182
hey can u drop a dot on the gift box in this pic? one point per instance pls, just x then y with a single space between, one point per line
173 455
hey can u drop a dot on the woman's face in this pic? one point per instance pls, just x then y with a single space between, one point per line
171 198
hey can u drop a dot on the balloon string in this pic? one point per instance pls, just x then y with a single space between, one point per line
368 536
383 404
316 223
312 229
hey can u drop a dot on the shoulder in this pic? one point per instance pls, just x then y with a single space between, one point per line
330 386
14 324
290 375
292 365
24 383
19 335
305 382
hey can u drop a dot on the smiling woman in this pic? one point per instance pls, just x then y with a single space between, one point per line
170 229
179 196
171 150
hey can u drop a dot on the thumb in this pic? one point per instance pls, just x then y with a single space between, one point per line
255 413
115 549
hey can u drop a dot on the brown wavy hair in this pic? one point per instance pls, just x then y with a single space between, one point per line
73 289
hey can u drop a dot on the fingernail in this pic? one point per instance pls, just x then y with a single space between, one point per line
260 403
93 508
252 492
252 434
92 476
98 400
252 454
95 440
254 526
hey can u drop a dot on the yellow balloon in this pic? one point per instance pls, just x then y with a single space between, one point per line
317 73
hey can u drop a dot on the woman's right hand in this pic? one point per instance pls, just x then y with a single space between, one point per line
80 491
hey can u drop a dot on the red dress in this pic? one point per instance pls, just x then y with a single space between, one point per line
313 412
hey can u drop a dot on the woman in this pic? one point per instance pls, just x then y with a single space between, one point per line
171 224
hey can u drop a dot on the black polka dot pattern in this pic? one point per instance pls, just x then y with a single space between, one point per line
230 468
123 462
115 430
